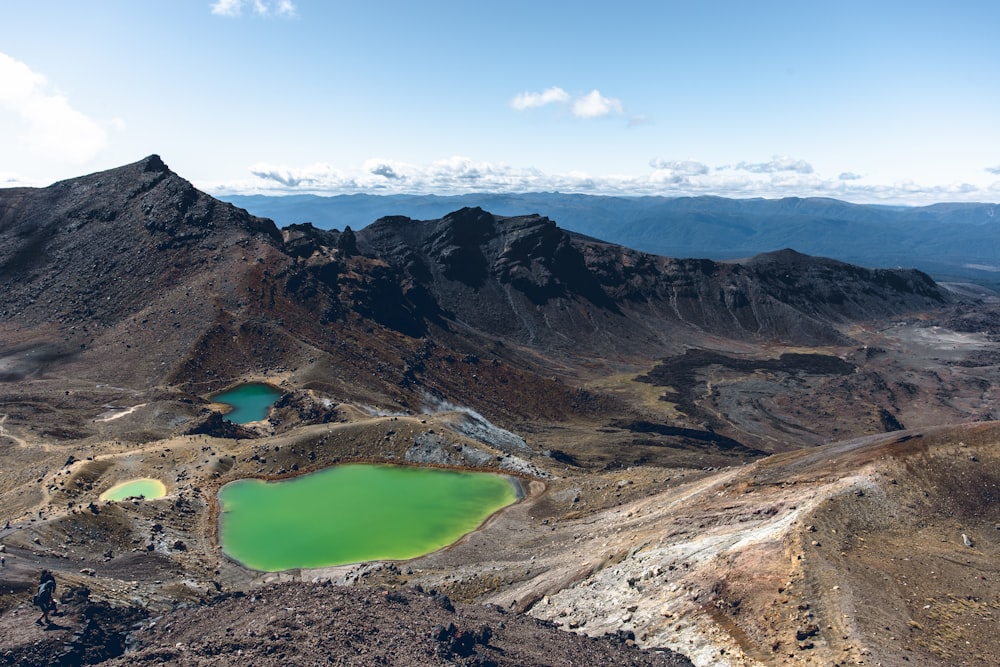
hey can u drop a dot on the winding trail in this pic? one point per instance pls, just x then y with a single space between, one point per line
5 434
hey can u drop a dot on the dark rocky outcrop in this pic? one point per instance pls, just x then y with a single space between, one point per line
841 291
526 278
217 426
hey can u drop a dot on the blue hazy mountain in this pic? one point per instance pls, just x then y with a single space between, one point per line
952 242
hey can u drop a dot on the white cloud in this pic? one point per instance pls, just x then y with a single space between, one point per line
227 7
777 164
234 8
591 105
551 95
52 128
595 105
385 170
783 177
849 176
313 176
993 170
681 167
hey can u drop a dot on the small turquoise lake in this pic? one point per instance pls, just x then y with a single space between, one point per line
354 513
249 402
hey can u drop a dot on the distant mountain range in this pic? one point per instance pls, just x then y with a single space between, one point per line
952 242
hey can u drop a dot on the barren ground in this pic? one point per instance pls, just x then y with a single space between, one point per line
847 548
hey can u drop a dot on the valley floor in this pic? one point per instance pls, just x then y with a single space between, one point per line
859 539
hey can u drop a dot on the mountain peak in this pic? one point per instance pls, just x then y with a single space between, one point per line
154 163
140 224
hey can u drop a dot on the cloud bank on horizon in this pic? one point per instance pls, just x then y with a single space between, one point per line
781 176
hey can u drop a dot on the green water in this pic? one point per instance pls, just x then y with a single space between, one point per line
250 402
355 513
146 487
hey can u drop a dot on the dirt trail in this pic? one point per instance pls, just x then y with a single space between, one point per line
6 434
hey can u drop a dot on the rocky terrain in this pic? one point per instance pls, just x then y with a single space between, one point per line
953 241
782 460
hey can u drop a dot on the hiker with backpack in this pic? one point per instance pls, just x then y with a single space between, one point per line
45 597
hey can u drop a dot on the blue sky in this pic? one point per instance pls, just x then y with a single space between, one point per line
864 101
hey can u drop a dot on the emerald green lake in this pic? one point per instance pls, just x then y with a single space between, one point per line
250 402
354 513
147 488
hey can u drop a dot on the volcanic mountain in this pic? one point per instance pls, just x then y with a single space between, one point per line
954 242
613 382
136 250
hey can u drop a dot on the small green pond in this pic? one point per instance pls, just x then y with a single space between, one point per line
354 513
146 487
249 402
